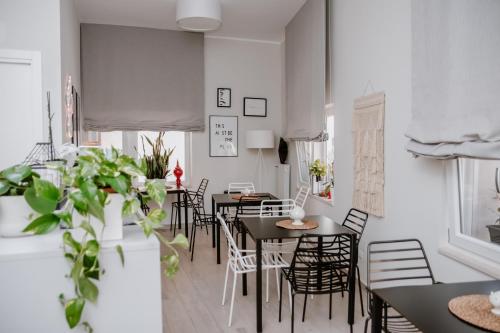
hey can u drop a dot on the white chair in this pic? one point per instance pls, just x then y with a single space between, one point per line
240 187
276 207
301 198
244 261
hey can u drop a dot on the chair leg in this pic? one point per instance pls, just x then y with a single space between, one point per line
225 284
232 300
175 221
277 281
280 296
360 293
366 324
293 309
193 233
171 217
304 309
290 295
330 307
267 285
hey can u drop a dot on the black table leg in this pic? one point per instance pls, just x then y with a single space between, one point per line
179 209
244 247
186 213
258 252
352 278
377 309
214 221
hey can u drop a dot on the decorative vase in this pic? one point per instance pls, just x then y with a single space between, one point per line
494 299
297 214
283 151
14 216
178 173
113 229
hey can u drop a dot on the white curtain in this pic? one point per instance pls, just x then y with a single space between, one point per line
456 79
142 79
305 50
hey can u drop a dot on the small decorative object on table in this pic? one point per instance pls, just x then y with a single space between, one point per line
297 214
178 173
495 301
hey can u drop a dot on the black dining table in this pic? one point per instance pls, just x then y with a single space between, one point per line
263 228
426 307
224 200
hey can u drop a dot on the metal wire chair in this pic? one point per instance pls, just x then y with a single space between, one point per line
394 263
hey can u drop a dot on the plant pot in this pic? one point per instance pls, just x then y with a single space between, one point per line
14 216
494 230
113 230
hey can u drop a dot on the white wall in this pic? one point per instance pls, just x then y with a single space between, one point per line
70 50
35 25
250 69
372 41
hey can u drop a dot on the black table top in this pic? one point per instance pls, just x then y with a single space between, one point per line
227 199
427 306
264 228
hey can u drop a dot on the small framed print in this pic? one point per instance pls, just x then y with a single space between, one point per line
255 107
223 137
223 97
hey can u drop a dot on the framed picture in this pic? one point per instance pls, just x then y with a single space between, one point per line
223 137
255 107
223 97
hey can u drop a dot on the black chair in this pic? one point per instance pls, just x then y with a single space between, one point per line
198 200
248 206
314 270
396 263
200 220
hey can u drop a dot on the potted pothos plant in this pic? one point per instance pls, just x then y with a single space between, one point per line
317 169
86 191
156 164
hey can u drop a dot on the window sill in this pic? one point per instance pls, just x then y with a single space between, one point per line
474 261
322 199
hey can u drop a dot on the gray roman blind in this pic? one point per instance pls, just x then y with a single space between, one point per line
142 79
305 51
456 79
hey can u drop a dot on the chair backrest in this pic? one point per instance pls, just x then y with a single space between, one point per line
301 197
271 208
355 220
397 263
240 187
233 251
202 187
193 199
249 206
315 265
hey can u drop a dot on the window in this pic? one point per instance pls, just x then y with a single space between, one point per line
131 144
473 234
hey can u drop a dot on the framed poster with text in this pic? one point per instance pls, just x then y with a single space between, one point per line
223 136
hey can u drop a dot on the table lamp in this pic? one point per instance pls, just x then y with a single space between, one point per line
260 139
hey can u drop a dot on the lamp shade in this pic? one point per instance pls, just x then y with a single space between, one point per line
199 15
260 139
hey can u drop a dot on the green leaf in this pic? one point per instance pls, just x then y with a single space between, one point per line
130 207
17 173
90 193
87 327
43 224
157 191
181 241
156 216
73 311
119 249
92 248
69 241
4 186
66 217
146 227
131 170
79 202
172 264
85 225
88 289
42 197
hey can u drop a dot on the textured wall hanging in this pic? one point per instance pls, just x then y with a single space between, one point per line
368 145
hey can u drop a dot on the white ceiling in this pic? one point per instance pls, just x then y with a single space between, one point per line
252 19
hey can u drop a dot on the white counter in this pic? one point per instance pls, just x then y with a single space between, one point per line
32 275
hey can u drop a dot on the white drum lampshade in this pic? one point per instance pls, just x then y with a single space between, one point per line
260 139
199 15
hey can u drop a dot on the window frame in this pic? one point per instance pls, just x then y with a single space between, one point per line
473 252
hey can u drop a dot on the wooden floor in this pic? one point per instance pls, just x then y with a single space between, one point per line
192 300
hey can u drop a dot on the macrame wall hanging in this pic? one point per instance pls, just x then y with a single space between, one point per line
368 147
